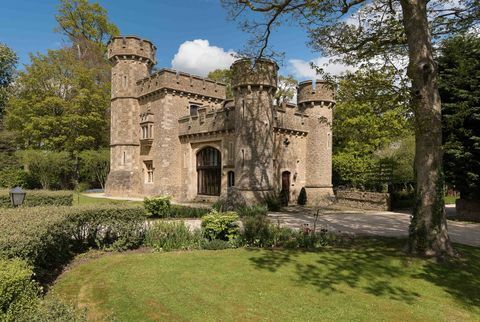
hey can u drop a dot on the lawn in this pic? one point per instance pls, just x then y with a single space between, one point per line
371 281
81 199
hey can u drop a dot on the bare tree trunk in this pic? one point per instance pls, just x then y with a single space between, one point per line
428 229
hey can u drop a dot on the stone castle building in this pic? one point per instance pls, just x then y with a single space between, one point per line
176 134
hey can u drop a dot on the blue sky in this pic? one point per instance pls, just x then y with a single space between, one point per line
197 31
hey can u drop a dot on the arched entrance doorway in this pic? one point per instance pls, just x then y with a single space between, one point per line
209 172
285 192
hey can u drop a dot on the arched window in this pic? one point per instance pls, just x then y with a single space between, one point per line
209 171
230 179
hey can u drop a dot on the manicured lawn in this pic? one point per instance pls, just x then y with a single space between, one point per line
371 281
80 199
450 200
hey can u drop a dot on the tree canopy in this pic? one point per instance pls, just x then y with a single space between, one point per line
8 62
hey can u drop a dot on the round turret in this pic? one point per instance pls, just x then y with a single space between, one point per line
322 92
261 73
132 47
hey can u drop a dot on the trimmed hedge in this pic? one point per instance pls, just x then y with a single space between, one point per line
47 237
36 198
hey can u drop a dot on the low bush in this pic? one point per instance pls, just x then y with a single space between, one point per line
273 201
36 198
216 244
158 206
18 292
220 225
167 236
47 237
252 211
178 211
12 177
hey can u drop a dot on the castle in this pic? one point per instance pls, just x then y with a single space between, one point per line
176 134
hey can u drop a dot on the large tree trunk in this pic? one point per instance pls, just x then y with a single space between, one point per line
428 230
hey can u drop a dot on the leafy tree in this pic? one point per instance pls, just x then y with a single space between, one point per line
94 165
384 29
8 62
51 168
286 90
59 104
459 71
223 76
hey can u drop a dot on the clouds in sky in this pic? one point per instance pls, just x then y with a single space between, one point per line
301 69
199 57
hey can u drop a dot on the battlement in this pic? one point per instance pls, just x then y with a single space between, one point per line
129 46
206 122
182 83
321 91
261 73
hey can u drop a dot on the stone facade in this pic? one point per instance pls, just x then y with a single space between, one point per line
176 134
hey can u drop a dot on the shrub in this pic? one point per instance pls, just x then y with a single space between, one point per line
252 211
216 244
178 211
220 225
18 292
46 237
12 177
35 198
257 231
158 206
167 236
273 202
302 197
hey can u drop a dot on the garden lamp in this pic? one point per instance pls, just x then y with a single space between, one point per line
17 196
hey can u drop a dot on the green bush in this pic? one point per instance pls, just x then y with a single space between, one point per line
178 211
167 236
273 201
18 292
216 244
220 225
47 237
252 211
36 198
302 197
158 206
12 177
258 232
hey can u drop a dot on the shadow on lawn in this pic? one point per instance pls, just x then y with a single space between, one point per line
373 264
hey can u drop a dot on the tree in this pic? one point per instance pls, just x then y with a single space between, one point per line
51 168
286 89
8 62
59 104
223 76
385 29
459 84
94 165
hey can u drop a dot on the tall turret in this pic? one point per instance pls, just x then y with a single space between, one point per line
317 101
254 85
132 59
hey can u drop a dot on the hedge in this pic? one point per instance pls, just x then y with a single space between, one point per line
36 198
47 237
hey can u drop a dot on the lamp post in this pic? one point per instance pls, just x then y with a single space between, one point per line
17 196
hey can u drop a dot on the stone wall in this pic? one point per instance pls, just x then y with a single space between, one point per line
363 199
468 209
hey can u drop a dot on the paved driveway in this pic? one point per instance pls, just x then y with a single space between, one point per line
375 223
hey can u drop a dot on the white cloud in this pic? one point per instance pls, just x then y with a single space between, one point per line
302 69
199 58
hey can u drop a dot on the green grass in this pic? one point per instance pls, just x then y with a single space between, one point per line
80 199
373 281
450 200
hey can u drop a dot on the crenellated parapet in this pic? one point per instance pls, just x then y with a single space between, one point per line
321 92
262 72
131 47
180 83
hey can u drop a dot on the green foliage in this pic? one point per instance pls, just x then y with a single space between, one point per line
223 76
178 211
8 62
220 225
18 292
302 197
47 237
60 103
52 169
252 211
35 198
158 206
216 244
273 201
12 177
286 90
401 155
459 86
167 236
95 165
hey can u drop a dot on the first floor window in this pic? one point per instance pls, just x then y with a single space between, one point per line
149 171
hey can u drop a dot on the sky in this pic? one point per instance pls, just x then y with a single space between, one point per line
194 36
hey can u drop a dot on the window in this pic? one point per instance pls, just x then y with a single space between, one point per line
147 131
209 172
194 110
230 179
149 171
